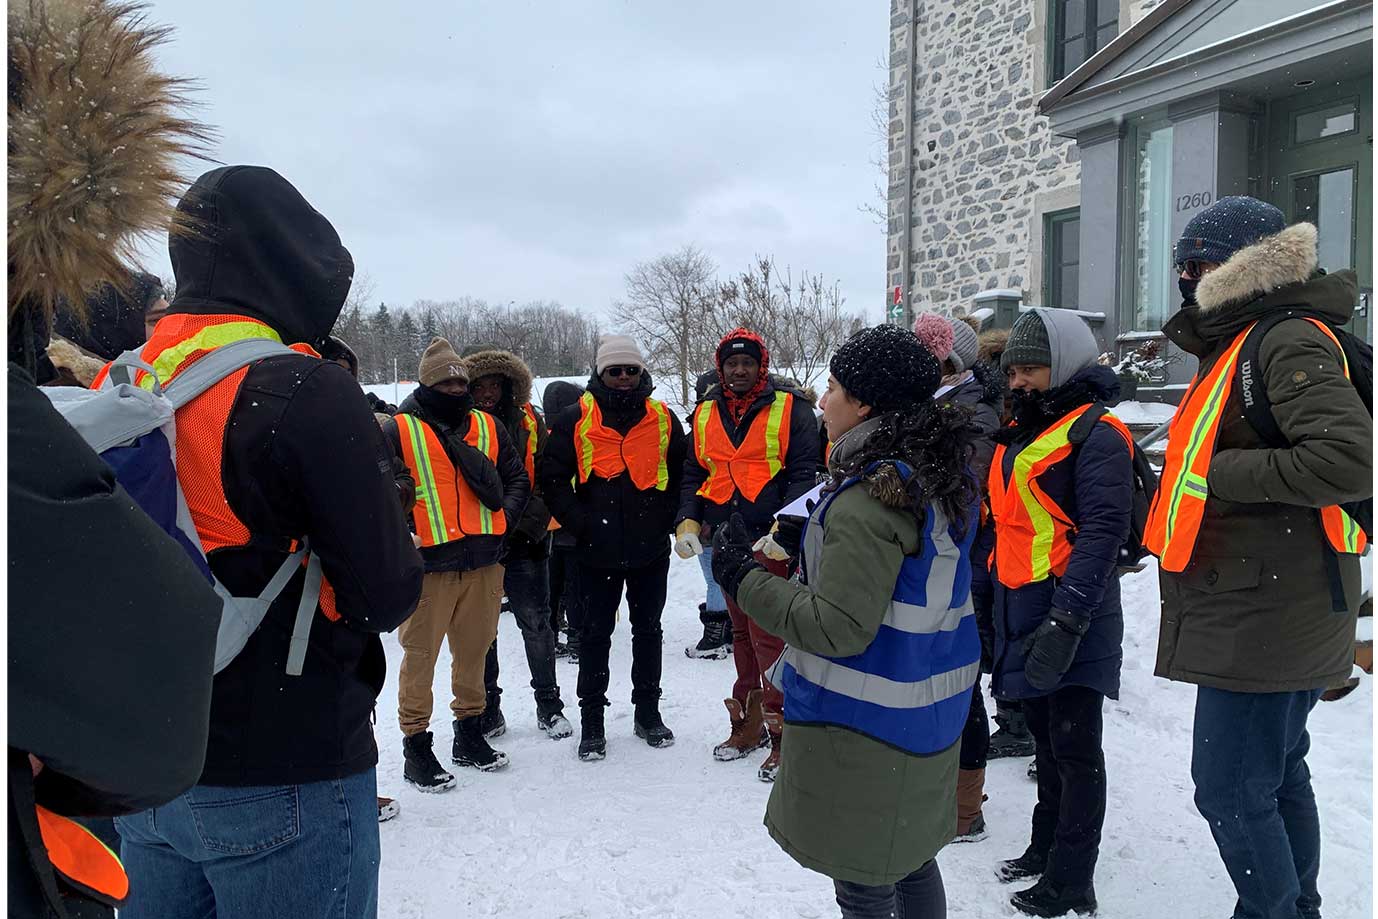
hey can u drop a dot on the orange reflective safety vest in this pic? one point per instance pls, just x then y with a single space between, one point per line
642 453
446 508
1174 520
178 341
747 467
1033 535
531 427
81 858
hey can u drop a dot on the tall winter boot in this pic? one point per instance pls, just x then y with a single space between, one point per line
748 729
971 822
471 747
775 727
593 743
649 727
716 642
492 720
420 767
1013 737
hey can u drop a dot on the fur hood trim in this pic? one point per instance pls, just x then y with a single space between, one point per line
886 486
96 140
1276 261
504 364
66 356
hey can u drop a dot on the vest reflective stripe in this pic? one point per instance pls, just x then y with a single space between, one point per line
79 856
749 466
642 453
171 359
911 687
1341 531
1033 535
532 427
446 508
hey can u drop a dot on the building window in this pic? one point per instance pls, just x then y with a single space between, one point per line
1155 286
1080 28
1062 259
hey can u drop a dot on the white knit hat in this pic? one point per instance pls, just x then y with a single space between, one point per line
617 351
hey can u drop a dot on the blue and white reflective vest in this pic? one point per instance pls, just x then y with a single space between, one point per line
911 688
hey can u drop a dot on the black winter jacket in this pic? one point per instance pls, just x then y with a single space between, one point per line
617 525
303 457
558 396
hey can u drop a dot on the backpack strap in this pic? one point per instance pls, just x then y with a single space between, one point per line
1258 411
306 611
1085 423
219 364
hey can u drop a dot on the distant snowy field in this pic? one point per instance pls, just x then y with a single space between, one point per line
674 833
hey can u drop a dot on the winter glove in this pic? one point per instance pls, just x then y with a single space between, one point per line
1049 651
782 542
732 558
687 543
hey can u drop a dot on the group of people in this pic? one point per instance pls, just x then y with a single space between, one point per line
956 502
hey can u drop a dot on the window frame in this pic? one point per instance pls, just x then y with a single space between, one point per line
1055 55
1052 250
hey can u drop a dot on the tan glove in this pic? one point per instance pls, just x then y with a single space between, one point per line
768 547
687 544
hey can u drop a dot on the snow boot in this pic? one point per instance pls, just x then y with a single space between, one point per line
775 727
420 767
1031 864
648 726
748 729
492 721
471 747
388 808
1032 771
1043 899
971 822
593 743
1013 737
553 722
716 642
573 646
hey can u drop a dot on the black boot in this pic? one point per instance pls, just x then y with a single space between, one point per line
550 718
1013 737
648 726
593 743
573 646
1043 899
471 747
492 721
420 767
1031 864
716 642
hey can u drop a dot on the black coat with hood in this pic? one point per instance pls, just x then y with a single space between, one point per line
558 396
798 475
616 524
303 457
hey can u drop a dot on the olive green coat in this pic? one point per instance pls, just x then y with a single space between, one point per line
1252 610
843 804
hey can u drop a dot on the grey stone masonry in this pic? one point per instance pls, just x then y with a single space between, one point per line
981 169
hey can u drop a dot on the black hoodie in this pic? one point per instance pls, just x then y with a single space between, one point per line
303 457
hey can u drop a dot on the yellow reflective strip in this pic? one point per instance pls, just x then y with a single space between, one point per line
485 516
1048 443
1351 530
773 424
582 443
170 360
701 417
663 423
426 488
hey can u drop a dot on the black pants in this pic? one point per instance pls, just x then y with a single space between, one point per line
564 589
1070 812
919 896
601 589
525 584
976 733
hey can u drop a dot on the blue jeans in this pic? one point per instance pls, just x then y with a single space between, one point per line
715 601
257 852
1248 761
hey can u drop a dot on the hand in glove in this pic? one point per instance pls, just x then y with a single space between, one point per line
782 542
732 558
1049 651
687 543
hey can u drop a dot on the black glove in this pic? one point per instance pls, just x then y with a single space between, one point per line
789 532
1049 651
732 556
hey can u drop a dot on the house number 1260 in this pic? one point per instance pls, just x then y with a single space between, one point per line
1193 201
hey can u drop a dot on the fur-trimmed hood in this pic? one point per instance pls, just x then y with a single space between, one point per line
74 366
1289 257
506 365
96 144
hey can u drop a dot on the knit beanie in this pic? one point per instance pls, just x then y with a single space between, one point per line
1227 226
736 344
887 368
441 363
1027 344
1057 339
617 351
965 345
936 334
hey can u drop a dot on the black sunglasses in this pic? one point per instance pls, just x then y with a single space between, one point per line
616 372
1192 268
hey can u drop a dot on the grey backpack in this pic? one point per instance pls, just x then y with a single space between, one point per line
134 431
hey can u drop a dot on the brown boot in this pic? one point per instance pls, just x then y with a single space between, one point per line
971 823
775 726
1363 656
748 731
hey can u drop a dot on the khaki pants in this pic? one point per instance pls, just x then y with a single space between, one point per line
463 605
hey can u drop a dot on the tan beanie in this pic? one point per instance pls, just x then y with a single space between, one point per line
617 351
441 363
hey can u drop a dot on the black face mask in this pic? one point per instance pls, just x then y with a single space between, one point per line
444 407
1188 288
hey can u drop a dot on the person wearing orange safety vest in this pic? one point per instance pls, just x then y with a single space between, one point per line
471 490
501 385
1258 569
1062 513
610 474
753 450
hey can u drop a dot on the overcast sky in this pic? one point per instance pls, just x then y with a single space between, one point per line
519 150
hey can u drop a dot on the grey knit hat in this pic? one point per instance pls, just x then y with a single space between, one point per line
1056 339
964 345
1225 227
1028 344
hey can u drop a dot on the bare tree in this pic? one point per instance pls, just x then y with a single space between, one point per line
879 207
669 309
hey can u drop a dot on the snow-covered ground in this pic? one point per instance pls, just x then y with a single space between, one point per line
674 833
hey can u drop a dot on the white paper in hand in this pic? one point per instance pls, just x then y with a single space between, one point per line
799 506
